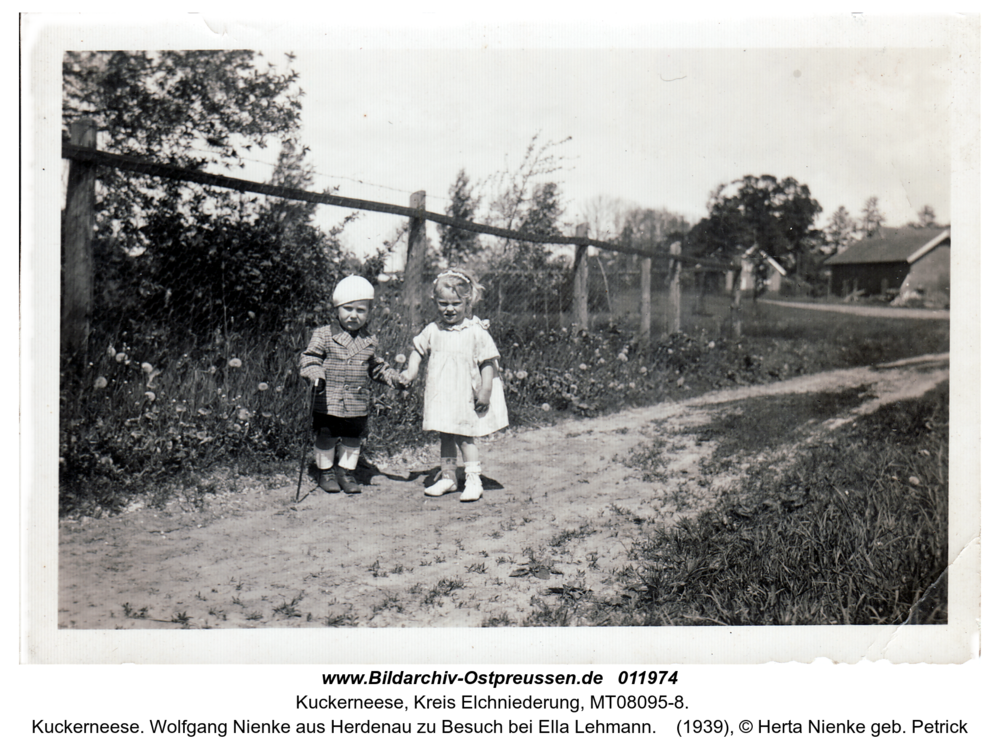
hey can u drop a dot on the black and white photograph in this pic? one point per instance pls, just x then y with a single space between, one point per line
487 332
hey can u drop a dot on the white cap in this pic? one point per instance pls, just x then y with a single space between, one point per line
352 288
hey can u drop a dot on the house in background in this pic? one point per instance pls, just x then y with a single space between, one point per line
773 275
913 262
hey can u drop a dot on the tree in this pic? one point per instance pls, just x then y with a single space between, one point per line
776 215
871 216
840 231
185 258
926 216
458 245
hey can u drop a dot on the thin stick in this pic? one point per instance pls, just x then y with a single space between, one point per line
305 446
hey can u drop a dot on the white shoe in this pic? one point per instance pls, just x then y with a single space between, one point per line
473 488
443 486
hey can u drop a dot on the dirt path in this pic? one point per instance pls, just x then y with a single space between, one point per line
885 312
560 514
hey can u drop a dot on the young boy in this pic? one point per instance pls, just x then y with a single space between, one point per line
340 363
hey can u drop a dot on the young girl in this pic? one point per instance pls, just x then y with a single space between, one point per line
340 363
463 397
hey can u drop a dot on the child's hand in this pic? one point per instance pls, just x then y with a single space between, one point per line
482 401
403 381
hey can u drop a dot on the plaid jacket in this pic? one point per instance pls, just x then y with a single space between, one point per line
348 364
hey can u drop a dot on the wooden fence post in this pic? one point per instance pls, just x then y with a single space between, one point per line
416 255
580 282
735 317
78 252
674 291
645 299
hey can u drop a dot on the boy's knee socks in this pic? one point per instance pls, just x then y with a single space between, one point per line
325 457
348 456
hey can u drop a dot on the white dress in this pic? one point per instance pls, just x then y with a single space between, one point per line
454 356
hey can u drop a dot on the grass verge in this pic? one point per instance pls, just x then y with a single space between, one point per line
852 532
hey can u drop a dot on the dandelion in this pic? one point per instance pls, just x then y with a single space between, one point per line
400 358
111 351
120 357
583 366
235 363
623 357
670 352
262 386
212 370
601 362
147 368
150 396
279 388
644 370
100 382
521 375
711 345
631 385
180 409
545 407
244 414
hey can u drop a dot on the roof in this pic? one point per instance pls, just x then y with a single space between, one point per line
893 245
777 267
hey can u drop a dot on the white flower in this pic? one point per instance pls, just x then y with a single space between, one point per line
711 345
623 357
120 357
644 370
400 358
251 315
244 414
235 363
279 388
601 362
262 386
521 375
583 366
212 370
150 396
545 406
111 351
147 368
100 383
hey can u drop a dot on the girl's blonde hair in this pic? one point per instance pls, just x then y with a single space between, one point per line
461 282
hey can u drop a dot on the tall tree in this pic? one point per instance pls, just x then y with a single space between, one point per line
182 254
871 216
776 215
458 245
840 231
926 216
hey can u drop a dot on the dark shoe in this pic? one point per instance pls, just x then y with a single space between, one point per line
328 481
346 480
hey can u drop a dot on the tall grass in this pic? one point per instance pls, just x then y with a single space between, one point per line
854 532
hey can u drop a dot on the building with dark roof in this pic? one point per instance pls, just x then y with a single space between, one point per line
915 262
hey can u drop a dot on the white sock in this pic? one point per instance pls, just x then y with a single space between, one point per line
348 456
324 458
473 468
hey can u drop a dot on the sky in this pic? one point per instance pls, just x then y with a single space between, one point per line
657 115
656 128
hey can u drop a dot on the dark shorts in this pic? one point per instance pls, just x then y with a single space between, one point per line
348 428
